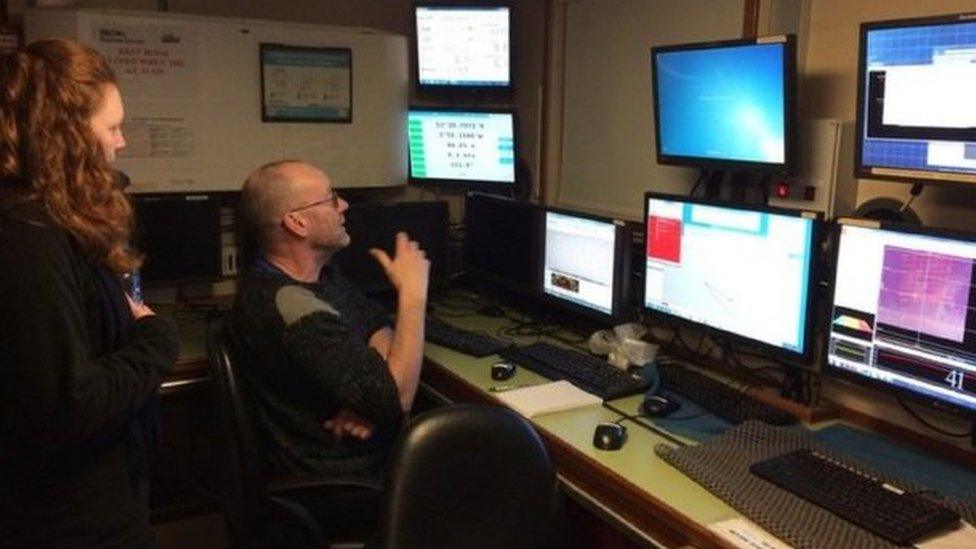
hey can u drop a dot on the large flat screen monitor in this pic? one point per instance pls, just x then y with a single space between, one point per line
180 235
725 105
903 315
463 148
501 241
583 262
463 45
916 113
742 271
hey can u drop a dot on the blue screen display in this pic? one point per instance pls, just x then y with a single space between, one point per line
723 103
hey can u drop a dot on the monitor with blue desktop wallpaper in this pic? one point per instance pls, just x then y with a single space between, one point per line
584 262
725 105
462 147
916 114
903 315
463 45
745 272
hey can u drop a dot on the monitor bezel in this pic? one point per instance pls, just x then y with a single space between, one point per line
853 377
217 199
497 187
493 278
621 287
462 6
801 358
862 171
788 42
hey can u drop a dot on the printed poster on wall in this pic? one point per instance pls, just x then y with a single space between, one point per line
304 84
158 71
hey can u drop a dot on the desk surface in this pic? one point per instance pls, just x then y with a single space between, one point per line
645 493
633 486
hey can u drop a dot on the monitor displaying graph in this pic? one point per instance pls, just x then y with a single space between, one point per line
904 311
746 272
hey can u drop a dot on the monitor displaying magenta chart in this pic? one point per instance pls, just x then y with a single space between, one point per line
582 261
745 272
725 105
904 311
462 147
463 46
916 116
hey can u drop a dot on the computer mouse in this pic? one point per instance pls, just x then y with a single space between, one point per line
500 371
609 436
659 406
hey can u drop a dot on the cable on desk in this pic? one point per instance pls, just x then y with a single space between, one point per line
970 433
650 427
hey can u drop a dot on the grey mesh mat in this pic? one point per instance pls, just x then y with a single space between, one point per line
722 463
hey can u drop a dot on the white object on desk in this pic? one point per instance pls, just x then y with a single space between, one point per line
742 532
547 398
963 535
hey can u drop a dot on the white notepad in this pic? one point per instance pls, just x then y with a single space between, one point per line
547 398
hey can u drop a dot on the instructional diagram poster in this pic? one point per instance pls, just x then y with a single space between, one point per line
302 84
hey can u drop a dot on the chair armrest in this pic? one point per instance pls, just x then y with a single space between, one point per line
290 486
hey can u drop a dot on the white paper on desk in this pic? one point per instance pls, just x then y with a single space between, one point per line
743 532
963 536
547 398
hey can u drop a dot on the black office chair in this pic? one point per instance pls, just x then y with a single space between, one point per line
471 477
262 512
476 477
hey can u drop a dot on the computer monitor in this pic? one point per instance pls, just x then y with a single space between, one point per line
745 272
375 225
916 117
463 45
470 148
903 314
584 263
725 105
501 242
180 235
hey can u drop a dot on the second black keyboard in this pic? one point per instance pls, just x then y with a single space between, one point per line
593 375
459 339
717 397
855 496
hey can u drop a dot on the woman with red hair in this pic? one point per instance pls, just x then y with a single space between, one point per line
80 361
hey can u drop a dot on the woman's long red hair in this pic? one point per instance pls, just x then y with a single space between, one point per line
50 90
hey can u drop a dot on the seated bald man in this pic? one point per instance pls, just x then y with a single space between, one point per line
329 381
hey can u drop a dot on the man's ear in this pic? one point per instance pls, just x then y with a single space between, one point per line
295 224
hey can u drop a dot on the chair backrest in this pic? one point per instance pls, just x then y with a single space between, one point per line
473 477
244 488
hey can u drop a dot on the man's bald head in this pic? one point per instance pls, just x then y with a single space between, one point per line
271 191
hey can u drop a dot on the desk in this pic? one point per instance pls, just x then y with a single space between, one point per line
631 487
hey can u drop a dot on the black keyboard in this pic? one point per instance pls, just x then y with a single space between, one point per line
854 496
465 341
592 374
717 397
